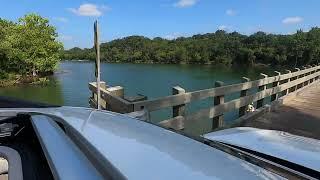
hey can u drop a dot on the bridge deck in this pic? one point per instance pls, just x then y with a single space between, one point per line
298 115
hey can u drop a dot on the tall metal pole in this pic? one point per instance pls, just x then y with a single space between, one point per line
97 70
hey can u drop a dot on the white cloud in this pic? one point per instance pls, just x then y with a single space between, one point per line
60 19
89 10
292 20
65 38
231 12
224 27
185 3
172 36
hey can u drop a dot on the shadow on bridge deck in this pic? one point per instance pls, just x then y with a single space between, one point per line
299 115
290 120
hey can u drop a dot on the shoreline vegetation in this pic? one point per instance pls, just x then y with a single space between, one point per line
220 47
14 79
29 51
151 62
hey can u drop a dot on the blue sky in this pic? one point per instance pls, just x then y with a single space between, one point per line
165 18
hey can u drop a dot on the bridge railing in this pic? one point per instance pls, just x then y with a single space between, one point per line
274 87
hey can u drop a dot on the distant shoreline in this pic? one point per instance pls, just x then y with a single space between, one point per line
152 62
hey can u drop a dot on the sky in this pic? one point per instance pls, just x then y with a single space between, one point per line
165 18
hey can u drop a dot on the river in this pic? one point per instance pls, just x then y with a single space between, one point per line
69 85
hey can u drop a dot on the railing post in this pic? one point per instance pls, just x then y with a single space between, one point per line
314 79
178 110
296 86
243 93
261 88
289 79
275 84
94 95
116 91
310 80
317 77
218 120
303 75
315 71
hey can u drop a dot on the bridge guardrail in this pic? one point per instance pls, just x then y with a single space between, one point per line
274 86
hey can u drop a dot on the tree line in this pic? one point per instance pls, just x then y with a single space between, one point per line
220 47
28 47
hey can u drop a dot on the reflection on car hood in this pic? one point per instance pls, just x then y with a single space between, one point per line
140 150
296 149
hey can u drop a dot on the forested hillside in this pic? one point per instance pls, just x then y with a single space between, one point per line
212 48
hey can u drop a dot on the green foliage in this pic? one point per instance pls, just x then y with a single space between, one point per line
212 48
41 81
3 75
29 46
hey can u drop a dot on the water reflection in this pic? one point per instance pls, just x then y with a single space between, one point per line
50 93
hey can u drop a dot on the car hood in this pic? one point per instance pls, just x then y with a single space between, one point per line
140 150
296 149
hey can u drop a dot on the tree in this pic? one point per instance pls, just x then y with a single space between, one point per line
211 48
41 50
29 46
298 46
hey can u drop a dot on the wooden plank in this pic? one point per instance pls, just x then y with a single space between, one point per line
235 104
178 99
178 123
188 97
243 101
297 73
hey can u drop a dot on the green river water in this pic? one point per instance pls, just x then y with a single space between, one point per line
69 85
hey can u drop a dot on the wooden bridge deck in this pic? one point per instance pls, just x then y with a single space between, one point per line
300 114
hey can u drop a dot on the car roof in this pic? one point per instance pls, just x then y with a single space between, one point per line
296 149
140 150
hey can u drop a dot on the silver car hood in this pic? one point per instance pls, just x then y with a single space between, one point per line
140 150
300 150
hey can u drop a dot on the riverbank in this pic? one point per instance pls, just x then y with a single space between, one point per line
14 80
